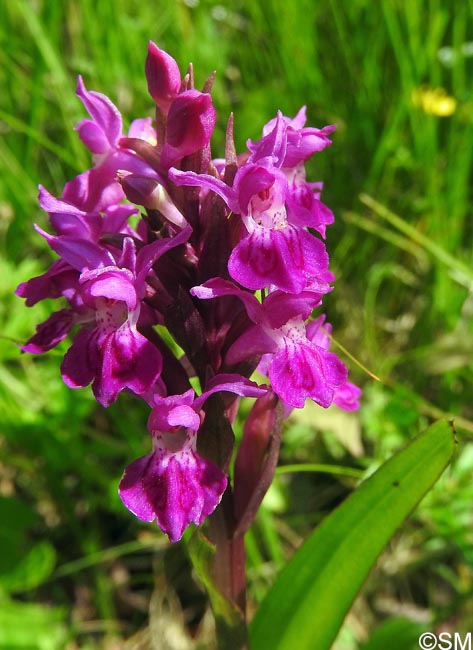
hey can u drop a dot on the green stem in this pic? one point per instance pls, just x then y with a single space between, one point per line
229 575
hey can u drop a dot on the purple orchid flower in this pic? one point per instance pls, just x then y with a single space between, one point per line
84 212
274 251
111 352
108 350
287 144
76 215
318 331
174 484
299 368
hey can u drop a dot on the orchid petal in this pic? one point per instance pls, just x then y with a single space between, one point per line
209 182
93 136
231 383
302 370
102 111
176 489
51 332
81 361
347 397
216 287
128 360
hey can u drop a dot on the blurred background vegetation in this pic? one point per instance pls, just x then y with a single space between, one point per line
395 76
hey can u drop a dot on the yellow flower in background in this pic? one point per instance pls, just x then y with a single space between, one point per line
434 101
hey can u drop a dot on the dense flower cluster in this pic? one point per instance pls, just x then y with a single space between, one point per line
227 254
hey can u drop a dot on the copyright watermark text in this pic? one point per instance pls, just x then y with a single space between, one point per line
446 641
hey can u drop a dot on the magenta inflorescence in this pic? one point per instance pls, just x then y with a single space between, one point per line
227 254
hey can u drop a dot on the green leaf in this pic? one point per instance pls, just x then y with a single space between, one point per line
30 626
31 569
23 565
394 634
307 605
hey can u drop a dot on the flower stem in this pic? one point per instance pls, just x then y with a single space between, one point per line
229 577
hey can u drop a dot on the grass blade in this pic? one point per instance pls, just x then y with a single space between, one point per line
459 270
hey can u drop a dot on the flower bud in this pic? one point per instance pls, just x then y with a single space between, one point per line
257 458
189 126
149 193
163 76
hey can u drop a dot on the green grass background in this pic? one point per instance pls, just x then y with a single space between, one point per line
73 564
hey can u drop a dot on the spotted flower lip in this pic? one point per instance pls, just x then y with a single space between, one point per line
299 368
273 251
108 350
112 358
287 258
173 484
175 489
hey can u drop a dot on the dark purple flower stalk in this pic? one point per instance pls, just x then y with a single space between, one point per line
228 255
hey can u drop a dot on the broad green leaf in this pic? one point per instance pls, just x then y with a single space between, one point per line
307 605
